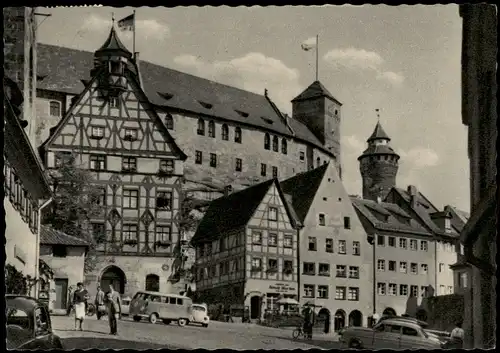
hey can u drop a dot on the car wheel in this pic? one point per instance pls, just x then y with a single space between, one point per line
205 325
153 318
137 318
182 322
356 344
167 322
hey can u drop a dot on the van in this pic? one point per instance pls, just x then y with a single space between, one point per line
156 306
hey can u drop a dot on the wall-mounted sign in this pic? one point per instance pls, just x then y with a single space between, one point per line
19 254
282 288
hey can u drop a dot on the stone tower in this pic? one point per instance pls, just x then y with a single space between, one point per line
378 165
316 108
20 58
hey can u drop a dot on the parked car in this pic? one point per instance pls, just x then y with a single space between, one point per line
390 334
442 336
199 315
126 305
28 324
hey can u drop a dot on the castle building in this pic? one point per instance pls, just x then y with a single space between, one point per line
246 249
413 244
479 114
334 263
112 130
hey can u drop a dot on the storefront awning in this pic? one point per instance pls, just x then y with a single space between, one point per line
290 301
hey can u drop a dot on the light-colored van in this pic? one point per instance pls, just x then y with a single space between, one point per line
156 306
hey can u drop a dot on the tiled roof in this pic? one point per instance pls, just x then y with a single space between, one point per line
378 133
62 70
50 236
393 224
424 208
302 188
315 89
230 212
378 149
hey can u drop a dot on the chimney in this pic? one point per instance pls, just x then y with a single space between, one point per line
228 189
412 191
136 59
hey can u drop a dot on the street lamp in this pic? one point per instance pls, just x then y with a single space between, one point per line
371 241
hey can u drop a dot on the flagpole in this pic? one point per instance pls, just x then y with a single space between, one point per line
317 56
133 43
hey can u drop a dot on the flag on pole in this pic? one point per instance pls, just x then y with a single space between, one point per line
127 23
309 44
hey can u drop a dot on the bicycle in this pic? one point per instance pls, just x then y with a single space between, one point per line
299 332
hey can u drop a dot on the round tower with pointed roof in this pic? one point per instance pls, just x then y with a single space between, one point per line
111 61
378 165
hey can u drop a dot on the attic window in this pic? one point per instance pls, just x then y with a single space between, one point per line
267 120
165 96
205 105
243 114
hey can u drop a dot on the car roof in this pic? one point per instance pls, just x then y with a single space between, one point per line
22 302
405 318
406 323
163 294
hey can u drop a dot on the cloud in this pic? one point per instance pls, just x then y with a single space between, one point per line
420 157
252 72
149 29
310 41
360 59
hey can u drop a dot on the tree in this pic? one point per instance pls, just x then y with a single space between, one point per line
15 281
76 200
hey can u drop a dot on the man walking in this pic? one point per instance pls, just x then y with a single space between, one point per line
99 303
114 304
308 321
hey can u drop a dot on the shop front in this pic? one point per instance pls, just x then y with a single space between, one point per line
263 296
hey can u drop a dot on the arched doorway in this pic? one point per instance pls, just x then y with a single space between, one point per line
389 312
113 276
324 315
152 283
255 306
339 320
355 318
421 315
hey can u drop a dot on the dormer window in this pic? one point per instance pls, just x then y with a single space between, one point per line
130 134
55 108
275 144
167 166
116 68
267 142
237 135
97 132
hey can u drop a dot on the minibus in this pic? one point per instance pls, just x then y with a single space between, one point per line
155 306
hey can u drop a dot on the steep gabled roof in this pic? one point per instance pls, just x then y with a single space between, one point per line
234 211
113 45
50 236
63 70
378 134
302 188
366 209
315 90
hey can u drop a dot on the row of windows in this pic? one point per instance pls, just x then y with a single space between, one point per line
220 245
272 239
221 269
392 289
19 198
322 220
272 265
309 268
98 162
224 131
403 243
97 133
403 267
267 144
341 246
158 298
130 232
130 199
341 293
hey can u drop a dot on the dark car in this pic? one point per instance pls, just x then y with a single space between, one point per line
28 324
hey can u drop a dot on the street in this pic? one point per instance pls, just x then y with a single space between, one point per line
143 335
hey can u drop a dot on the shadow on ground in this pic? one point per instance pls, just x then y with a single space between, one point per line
323 344
107 343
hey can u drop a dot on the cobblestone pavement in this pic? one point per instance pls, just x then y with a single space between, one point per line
143 335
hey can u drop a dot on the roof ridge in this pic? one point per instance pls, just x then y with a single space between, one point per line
64 234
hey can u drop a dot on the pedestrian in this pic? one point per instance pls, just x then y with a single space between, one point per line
80 297
99 303
114 305
457 336
308 321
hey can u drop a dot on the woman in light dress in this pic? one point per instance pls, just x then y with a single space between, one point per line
80 298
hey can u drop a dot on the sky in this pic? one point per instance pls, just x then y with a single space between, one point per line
403 60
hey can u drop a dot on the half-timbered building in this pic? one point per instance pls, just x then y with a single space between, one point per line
112 130
246 249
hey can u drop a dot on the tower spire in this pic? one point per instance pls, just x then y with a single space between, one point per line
377 111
